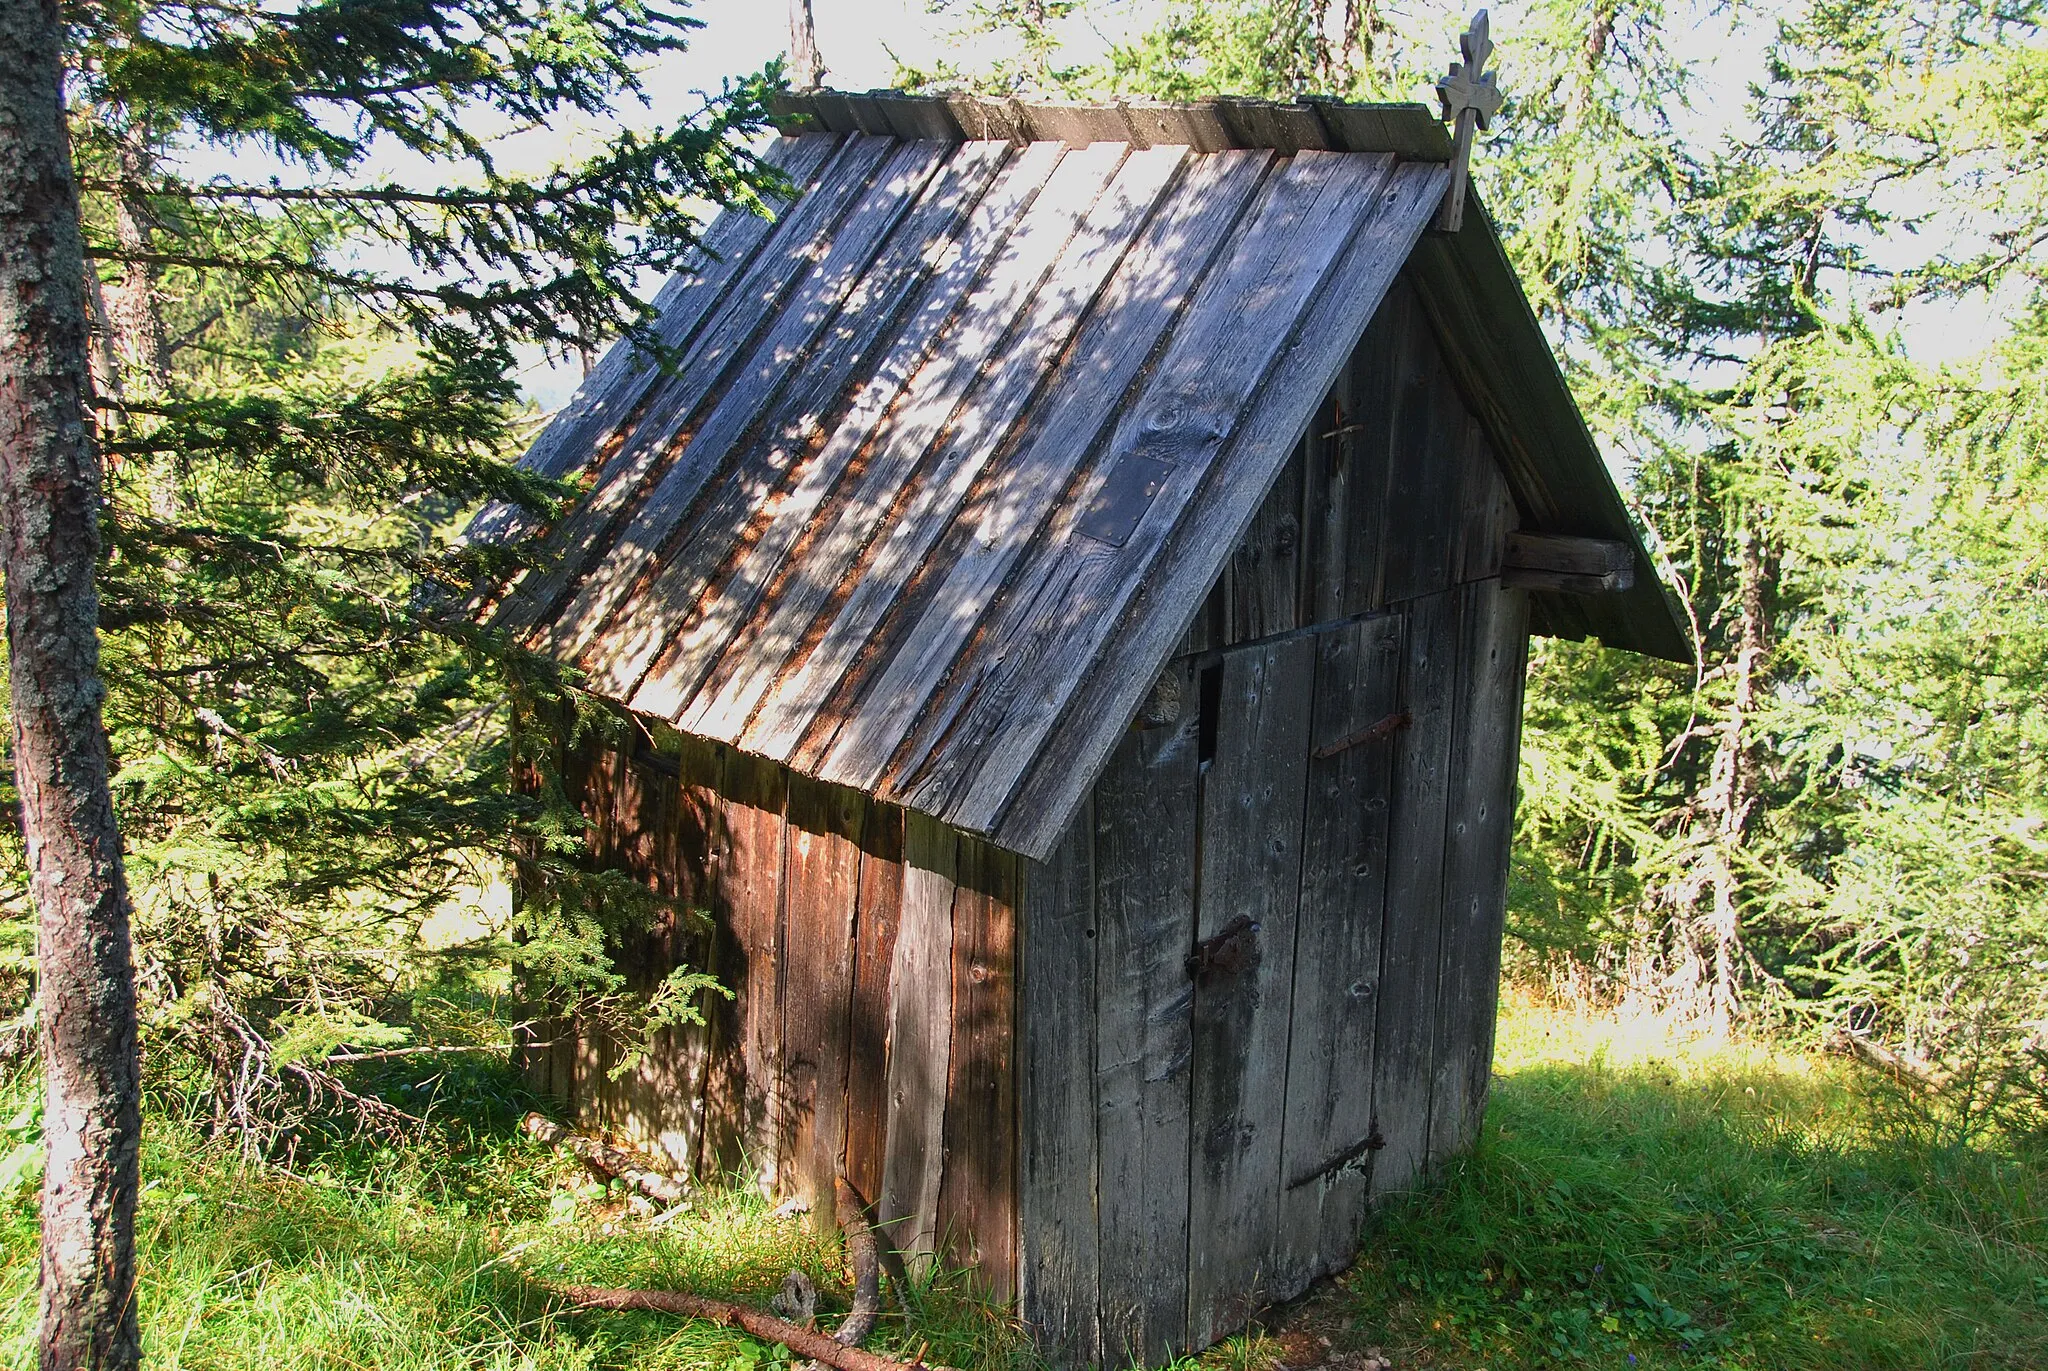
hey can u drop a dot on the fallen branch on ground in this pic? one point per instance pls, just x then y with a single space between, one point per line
843 1194
864 1254
1915 1070
606 1160
805 1342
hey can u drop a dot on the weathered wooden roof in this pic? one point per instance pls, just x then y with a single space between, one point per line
959 442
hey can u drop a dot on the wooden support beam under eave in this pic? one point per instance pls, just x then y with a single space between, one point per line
1561 562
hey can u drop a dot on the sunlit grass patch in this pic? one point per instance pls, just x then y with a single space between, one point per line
1646 1198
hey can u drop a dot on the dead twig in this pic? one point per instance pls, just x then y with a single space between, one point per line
606 1160
805 1342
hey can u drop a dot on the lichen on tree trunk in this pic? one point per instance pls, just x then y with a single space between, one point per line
49 519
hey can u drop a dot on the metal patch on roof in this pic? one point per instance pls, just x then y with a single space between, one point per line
1125 495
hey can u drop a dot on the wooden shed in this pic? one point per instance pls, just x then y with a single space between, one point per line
1074 586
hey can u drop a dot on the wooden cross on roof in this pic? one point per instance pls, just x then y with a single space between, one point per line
1471 97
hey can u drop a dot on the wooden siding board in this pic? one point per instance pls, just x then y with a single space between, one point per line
1425 478
1501 360
1252 800
755 791
1265 570
1489 510
1165 599
1058 1266
1484 755
780 352
822 885
679 609
981 738
1151 287
920 1039
879 917
977 1215
1146 814
1405 1033
998 402
1327 498
1327 1151
751 303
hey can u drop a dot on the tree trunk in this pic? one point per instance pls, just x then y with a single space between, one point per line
806 67
49 518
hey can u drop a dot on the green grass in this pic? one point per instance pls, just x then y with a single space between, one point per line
1638 1200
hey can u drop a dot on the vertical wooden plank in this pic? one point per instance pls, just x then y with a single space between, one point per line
1489 509
1426 474
1145 810
822 885
879 916
977 1220
1326 503
1366 449
755 791
698 834
1058 1268
1483 770
1328 1147
920 1038
1405 1035
1265 571
1252 800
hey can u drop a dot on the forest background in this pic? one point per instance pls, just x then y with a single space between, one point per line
1833 825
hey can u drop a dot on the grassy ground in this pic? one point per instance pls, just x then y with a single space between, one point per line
1637 1201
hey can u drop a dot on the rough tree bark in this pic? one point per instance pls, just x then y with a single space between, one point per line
49 519
806 67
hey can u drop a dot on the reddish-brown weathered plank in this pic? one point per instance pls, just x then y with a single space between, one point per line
822 842
978 1192
875 925
920 1039
1405 1034
1145 835
1328 1147
1484 756
755 791
1058 1266
1252 799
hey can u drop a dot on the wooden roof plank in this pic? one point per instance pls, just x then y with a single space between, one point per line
1175 583
930 402
777 440
1150 290
668 687
775 355
974 742
1199 126
999 403
746 306
607 396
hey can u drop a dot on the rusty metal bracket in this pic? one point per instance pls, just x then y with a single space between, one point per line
1385 728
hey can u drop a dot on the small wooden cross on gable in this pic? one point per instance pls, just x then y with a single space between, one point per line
1471 97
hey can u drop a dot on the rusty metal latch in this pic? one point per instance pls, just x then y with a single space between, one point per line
1234 948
